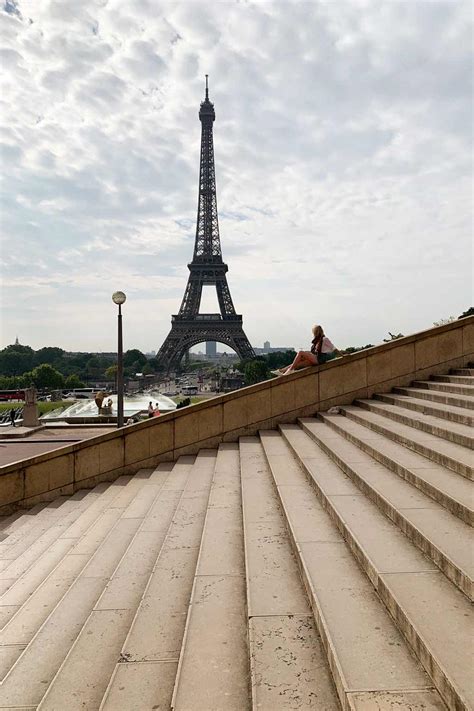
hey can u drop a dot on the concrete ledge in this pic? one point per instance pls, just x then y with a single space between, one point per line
230 416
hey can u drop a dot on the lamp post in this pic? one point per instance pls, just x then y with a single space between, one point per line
119 298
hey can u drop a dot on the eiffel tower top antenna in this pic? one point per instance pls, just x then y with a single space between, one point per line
207 88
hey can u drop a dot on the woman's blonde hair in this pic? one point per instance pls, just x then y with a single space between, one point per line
317 332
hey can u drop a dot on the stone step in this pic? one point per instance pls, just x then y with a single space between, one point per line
18 519
462 371
444 387
455 379
145 674
213 663
446 398
19 558
452 432
447 488
371 664
32 529
277 606
449 455
50 514
52 626
22 588
85 673
27 604
432 614
451 413
439 534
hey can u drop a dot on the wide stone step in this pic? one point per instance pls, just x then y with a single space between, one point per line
432 615
447 488
18 519
213 663
20 540
436 396
85 673
444 537
455 379
56 629
447 454
294 673
452 432
18 558
450 413
371 664
23 590
148 661
463 371
444 387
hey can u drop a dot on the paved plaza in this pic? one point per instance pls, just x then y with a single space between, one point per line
43 440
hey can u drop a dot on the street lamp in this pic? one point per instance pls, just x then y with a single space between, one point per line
119 298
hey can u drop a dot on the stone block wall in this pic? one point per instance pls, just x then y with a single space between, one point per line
243 412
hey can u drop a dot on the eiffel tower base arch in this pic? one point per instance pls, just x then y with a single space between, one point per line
186 333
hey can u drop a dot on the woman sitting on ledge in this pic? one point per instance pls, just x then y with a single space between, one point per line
322 350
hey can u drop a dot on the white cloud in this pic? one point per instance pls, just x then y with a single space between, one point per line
343 157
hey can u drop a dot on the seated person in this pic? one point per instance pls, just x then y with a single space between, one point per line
322 350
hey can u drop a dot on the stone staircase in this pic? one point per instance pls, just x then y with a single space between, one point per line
323 566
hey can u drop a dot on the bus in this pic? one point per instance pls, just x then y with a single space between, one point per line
189 390
6 395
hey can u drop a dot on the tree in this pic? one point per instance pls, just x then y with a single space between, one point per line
45 376
356 349
468 312
72 381
16 360
92 368
49 354
279 359
12 382
134 357
111 372
255 371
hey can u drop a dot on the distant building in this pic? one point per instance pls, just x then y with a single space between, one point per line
268 349
211 348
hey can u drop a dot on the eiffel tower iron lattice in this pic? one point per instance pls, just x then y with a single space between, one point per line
189 327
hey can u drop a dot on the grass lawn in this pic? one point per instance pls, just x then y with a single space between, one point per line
42 406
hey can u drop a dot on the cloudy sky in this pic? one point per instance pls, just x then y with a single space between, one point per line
343 160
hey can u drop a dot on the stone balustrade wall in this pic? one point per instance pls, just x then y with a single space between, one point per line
242 412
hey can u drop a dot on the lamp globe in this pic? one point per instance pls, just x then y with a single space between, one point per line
119 298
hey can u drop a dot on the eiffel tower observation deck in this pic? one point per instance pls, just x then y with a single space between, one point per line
189 327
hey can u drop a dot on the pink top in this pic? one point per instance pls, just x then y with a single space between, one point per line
327 346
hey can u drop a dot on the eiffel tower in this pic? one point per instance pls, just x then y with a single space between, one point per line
189 327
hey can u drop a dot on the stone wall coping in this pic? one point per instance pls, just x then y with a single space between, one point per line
236 394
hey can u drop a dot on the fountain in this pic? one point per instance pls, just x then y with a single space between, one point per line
87 410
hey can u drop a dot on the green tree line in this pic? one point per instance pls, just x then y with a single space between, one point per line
55 368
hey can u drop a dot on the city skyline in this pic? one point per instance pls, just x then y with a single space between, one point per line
343 161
